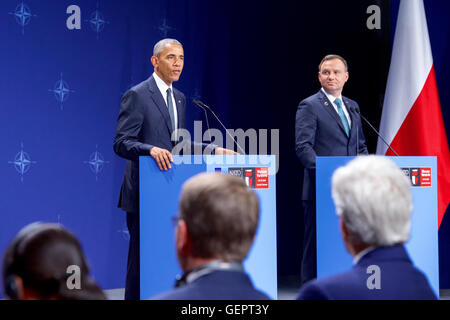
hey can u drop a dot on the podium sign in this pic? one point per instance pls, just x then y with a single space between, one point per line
422 247
159 195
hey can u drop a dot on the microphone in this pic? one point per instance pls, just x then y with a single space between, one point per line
199 104
204 107
378 134
352 109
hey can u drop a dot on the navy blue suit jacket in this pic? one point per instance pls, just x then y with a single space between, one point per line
400 280
319 132
217 285
143 122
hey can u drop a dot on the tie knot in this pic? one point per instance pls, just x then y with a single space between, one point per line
337 101
169 91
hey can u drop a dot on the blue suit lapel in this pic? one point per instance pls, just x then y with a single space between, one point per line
328 106
160 102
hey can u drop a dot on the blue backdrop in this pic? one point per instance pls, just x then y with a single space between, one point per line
252 61
61 92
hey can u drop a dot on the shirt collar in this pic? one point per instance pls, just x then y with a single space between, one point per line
330 96
361 254
162 86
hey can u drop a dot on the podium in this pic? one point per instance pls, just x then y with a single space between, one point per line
158 200
422 247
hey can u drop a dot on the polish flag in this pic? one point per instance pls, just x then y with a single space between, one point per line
412 119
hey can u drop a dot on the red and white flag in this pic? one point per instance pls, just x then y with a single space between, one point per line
412 119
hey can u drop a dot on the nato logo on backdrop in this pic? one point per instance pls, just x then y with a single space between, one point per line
96 163
23 15
61 91
97 21
22 162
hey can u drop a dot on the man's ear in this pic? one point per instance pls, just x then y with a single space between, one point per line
154 61
346 237
343 228
182 238
19 287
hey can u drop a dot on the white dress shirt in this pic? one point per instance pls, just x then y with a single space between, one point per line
162 86
332 98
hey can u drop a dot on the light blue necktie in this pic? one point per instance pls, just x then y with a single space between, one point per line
171 108
342 115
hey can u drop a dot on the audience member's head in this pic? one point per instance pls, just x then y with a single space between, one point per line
36 266
218 218
374 202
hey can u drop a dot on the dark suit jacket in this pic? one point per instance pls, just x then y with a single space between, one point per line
399 280
217 285
319 132
143 122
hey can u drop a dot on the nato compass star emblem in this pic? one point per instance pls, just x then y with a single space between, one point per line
23 15
164 28
22 162
97 21
61 91
96 163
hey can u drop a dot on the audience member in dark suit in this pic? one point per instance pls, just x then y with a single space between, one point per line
326 124
373 201
217 222
151 114
45 262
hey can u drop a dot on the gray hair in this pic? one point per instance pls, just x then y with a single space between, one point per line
373 198
159 46
221 214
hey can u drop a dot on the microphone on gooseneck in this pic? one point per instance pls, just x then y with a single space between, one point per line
371 126
204 107
357 134
200 104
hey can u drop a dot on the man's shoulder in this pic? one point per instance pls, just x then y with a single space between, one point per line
347 101
345 285
336 280
183 293
218 285
312 104
147 84
318 96
399 280
139 93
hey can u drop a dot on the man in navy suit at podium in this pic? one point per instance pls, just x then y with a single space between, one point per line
215 228
150 115
326 124
373 200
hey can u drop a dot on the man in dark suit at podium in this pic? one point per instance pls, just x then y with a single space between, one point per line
374 202
150 114
326 124
216 226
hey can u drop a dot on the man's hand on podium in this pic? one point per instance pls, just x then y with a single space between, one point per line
223 151
162 157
